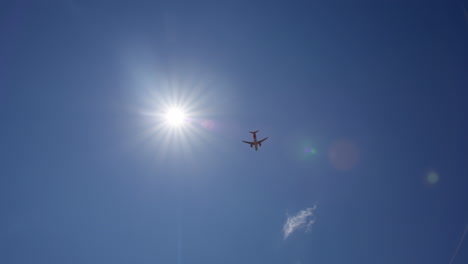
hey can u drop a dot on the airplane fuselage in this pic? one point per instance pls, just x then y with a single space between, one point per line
255 142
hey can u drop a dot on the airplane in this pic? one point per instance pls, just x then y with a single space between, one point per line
255 142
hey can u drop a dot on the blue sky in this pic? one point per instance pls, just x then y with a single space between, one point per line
364 104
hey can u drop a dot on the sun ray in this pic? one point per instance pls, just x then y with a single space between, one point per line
173 102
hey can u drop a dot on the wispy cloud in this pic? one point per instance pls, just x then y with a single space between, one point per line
303 219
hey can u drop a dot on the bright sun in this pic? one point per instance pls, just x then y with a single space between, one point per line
176 114
175 117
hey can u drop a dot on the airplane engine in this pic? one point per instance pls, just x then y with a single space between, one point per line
260 144
251 145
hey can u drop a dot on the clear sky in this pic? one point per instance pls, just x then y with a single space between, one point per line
364 103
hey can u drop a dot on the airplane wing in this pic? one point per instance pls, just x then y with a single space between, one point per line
248 142
263 139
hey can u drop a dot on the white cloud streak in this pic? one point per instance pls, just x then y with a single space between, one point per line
303 219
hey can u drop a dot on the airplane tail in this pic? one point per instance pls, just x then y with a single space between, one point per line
253 132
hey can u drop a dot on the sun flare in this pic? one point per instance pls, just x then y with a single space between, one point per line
175 117
178 115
